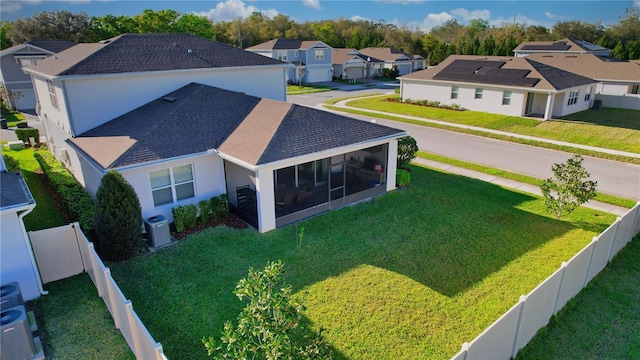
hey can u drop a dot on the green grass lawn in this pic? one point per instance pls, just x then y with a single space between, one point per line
610 199
616 129
46 213
13 118
599 323
306 89
412 274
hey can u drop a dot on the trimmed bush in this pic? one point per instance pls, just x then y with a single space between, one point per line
219 206
403 178
24 135
185 217
118 218
11 164
78 202
407 150
205 211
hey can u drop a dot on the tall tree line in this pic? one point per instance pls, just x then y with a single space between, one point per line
476 38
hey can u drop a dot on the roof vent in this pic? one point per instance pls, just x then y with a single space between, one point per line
169 99
189 51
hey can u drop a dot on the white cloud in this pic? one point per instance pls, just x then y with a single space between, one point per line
433 20
636 3
315 4
520 19
359 18
233 9
549 15
403 2
466 15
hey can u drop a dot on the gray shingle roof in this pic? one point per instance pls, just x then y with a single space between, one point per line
151 52
202 118
14 192
558 78
55 46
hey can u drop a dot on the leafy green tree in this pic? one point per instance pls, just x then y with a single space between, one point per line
118 218
569 187
5 27
407 150
575 29
269 325
53 25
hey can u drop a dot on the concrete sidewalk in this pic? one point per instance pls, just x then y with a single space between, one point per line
342 104
512 184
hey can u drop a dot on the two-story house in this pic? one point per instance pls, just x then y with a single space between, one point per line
311 60
392 58
184 119
12 76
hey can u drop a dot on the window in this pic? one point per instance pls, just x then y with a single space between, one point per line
171 185
454 92
295 53
634 89
587 96
573 97
319 54
506 97
282 55
479 93
52 94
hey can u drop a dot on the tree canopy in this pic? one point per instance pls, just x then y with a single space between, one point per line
476 38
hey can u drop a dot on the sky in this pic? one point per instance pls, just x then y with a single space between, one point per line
414 14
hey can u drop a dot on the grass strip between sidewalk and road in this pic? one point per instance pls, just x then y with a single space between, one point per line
606 198
540 144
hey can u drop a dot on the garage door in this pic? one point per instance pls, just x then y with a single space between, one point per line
354 72
26 101
318 76
404 69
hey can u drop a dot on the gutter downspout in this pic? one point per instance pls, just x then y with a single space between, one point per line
27 242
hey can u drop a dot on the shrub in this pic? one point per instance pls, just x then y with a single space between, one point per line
185 217
24 135
407 150
118 218
220 206
178 213
77 201
11 163
403 178
205 211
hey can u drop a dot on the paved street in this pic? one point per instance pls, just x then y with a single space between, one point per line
613 177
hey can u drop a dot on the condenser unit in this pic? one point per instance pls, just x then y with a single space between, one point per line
157 228
15 337
10 295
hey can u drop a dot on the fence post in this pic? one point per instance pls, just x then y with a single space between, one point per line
134 329
112 298
514 349
76 229
563 266
593 251
100 284
635 220
615 236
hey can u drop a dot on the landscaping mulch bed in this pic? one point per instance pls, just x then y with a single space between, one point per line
230 220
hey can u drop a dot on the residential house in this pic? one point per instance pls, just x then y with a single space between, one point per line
502 85
564 46
619 80
12 76
351 64
311 60
405 63
278 162
17 262
185 119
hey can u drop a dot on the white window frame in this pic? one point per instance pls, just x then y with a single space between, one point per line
573 97
319 54
52 94
454 91
172 185
281 55
479 92
506 97
296 53
587 95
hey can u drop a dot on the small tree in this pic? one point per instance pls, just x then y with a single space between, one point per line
407 150
269 326
569 188
118 218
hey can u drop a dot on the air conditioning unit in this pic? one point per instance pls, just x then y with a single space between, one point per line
10 295
15 335
157 228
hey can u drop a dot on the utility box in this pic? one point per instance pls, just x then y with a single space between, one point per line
157 228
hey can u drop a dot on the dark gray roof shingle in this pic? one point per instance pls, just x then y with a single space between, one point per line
202 117
558 78
55 46
14 192
160 52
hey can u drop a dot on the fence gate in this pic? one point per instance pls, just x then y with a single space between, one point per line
57 253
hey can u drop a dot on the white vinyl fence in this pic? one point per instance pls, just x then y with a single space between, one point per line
515 328
65 251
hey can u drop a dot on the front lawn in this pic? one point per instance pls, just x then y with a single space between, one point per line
412 274
616 129
13 118
306 89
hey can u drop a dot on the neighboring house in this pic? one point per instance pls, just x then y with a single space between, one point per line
278 162
563 46
12 76
351 64
619 85
405 63
311 60
89 84
17 262
501 85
